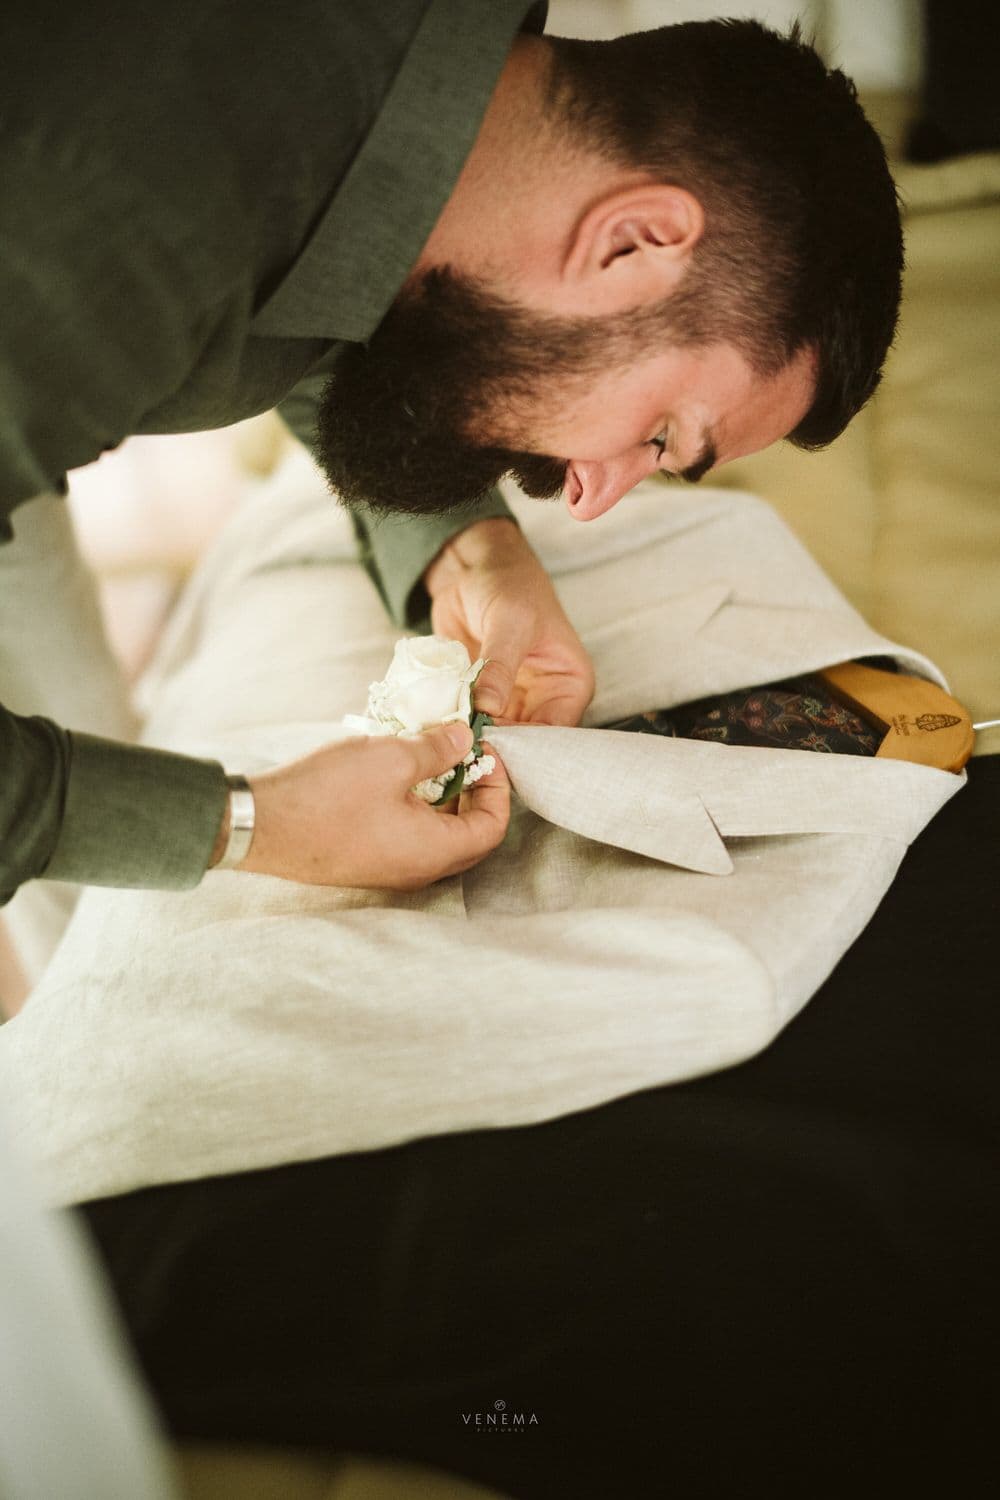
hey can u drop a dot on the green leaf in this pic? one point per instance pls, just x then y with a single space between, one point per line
454 786
479 722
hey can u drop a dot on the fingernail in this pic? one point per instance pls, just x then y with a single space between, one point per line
460 736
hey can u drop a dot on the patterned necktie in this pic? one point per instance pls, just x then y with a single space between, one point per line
799 713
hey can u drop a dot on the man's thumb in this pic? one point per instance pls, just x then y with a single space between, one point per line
440 748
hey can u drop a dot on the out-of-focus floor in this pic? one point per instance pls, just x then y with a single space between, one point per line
146 512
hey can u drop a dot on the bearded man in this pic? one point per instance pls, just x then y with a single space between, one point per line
461 250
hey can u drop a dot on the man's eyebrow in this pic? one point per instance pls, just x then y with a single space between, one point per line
707 459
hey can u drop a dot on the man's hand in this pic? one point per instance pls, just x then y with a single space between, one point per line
345 814
489 591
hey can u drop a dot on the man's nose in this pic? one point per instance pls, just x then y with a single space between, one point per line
593 487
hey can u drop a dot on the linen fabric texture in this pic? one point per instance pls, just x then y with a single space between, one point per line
660 908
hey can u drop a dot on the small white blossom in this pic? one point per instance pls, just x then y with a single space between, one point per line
480 768
432 790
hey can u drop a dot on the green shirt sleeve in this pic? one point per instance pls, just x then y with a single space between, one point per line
395 549
34 761
109 300
76 807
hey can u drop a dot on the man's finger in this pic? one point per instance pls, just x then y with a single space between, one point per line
565 709
436 750
484 812
493 688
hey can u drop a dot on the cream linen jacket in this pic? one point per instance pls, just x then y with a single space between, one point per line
660 908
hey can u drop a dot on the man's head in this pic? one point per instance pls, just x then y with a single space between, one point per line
699 254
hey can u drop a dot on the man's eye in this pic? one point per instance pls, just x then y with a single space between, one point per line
660 442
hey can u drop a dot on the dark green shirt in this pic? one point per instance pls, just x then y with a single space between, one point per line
200 203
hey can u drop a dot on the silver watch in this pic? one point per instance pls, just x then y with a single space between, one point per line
241 823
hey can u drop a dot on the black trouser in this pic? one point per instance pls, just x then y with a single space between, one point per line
780 1276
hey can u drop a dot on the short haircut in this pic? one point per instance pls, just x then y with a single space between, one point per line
802 244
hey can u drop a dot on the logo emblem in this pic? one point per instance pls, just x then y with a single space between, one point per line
928 722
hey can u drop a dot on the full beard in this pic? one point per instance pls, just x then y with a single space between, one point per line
448 359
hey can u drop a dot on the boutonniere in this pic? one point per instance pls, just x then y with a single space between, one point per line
429 681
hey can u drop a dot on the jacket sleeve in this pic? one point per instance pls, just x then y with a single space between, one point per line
395 549
76 807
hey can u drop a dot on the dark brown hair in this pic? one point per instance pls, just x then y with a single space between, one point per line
802 244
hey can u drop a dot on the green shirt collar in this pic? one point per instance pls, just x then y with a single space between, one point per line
393 193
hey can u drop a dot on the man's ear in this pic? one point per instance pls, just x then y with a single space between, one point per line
632 247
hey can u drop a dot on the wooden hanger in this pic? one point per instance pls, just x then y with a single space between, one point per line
919 720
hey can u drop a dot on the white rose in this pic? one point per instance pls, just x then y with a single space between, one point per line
429 681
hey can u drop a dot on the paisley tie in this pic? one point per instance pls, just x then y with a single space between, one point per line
799 713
